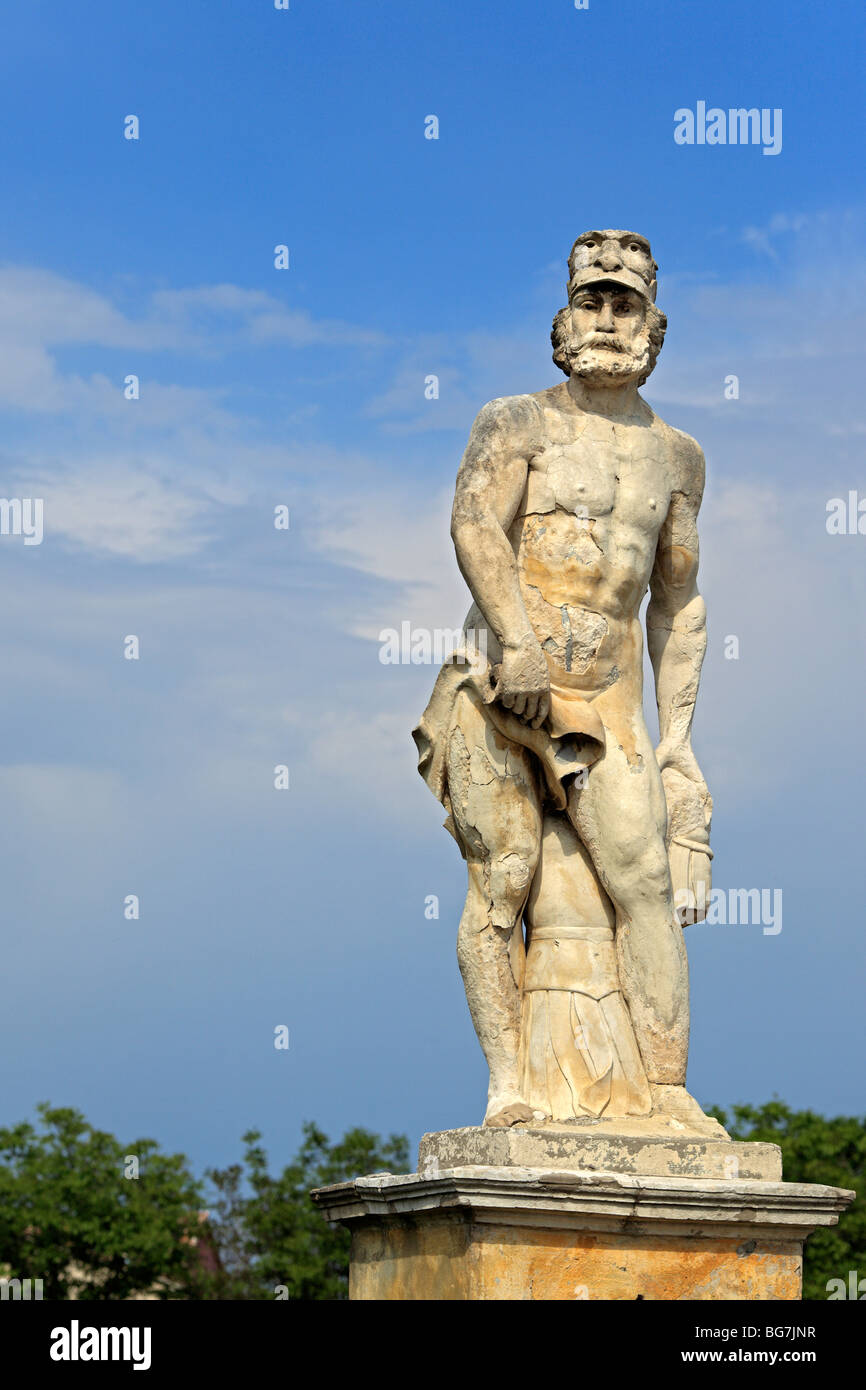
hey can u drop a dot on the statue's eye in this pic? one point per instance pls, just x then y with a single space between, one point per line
634 247
590 245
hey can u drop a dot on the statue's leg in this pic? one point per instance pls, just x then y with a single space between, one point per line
620 815
496 811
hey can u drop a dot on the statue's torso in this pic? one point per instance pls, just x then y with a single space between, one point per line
586 532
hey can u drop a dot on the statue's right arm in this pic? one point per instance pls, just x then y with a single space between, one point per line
490 485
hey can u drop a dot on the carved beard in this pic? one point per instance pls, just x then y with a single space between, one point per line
615 362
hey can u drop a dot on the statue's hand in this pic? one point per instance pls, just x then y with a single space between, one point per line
674 756
691 879
690 810
522 681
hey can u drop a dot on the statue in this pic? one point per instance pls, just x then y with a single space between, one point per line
587 848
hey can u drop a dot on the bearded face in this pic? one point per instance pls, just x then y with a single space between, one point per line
599 361
609 335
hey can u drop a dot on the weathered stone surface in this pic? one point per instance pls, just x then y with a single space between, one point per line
546 1234
591 1147
456 1259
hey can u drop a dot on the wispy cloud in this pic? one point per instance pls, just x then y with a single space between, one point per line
42 313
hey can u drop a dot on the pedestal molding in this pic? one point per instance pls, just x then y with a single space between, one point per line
591 1201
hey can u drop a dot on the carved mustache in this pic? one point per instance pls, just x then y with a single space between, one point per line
601 340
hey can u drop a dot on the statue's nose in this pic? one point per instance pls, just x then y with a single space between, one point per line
610 257
604 319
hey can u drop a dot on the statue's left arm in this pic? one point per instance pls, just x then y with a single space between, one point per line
677 617
677 641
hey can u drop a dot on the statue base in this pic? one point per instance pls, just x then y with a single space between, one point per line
564 1230
643 1146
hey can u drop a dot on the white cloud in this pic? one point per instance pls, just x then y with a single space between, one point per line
41 312
122 510
404 539
781 223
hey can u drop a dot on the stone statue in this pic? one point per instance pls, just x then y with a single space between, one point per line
587 849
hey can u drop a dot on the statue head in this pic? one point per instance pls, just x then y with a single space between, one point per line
625 256
611 331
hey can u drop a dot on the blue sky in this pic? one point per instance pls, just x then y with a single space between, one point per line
408 257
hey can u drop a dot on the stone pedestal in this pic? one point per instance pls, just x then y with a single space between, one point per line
562 1229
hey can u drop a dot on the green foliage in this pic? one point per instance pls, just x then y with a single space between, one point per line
815 1149
69 1216
267 1230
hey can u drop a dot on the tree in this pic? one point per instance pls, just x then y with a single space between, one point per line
271 1240
92 1218
815 1149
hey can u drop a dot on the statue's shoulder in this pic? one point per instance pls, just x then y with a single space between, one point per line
515 419
553 397
685 452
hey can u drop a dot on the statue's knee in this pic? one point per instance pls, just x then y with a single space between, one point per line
643 879
510 878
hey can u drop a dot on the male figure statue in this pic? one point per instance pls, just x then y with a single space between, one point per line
569 503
